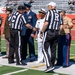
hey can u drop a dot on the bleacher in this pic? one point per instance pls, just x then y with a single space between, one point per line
61 4
38 4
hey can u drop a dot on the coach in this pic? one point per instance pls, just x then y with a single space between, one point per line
50 29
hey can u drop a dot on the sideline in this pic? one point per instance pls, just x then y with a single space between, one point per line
41 65
15 72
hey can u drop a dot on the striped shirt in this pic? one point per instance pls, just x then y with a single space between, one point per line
16 21
54 19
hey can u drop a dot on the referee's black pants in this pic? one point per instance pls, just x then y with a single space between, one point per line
49 49
15 46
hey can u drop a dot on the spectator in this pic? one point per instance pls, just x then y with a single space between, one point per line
70 3
31 1
74 5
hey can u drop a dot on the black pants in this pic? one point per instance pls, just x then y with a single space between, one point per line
27 41
49 50
24 47
15 45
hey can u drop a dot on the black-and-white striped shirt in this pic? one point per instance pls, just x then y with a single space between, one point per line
54 19
16 21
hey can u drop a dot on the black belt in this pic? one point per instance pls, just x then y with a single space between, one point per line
53 30
15 29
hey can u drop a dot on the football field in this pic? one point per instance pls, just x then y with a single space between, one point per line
32 68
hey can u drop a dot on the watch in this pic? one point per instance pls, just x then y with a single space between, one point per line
32 28
41 32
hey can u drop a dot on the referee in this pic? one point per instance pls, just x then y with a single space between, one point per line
50 29
16 21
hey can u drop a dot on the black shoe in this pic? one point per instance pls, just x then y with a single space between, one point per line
49 69
58 64
23 63
0 54
65 66
11 62
18 64
32 59
5 57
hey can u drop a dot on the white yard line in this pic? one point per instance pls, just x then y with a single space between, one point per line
55 74
72 44
3 47
72 54
15 72
0 65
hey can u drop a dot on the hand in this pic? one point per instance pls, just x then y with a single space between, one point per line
32 35
64 26
34 29
41 35
29 26
3 36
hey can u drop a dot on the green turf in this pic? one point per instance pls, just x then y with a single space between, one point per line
35 72
3 44
8 69
72 48
73 42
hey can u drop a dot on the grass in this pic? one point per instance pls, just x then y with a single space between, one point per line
72 49
73 42
8 69
34 72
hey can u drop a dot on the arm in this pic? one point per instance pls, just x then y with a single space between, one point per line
44 26
27 25
34 19
70 24
46 22
70 27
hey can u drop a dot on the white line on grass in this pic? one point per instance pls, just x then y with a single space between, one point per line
3 47
15 72
72 54
55 74
72 44
0 65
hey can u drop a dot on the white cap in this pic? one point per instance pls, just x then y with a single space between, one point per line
52 4
43 10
